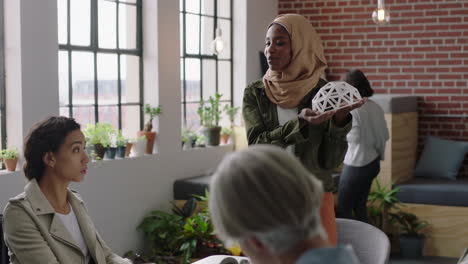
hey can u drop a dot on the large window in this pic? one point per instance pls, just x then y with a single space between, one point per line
100 62
2 81
204 73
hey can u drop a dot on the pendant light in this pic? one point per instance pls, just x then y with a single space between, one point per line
217 45
381 15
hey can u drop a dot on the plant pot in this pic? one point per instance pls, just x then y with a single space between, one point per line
211 135
150 139
411 246
128 149
225 138
99 149
10 164
121 152
110 153
138 148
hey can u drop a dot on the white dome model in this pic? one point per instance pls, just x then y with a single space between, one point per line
335 95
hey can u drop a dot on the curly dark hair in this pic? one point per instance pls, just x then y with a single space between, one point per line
357 79
45 136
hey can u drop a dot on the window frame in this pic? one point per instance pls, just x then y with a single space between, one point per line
2 78
201 56
95 50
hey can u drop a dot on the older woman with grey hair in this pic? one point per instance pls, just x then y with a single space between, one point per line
265 200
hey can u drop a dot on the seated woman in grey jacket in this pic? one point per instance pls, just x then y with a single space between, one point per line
49 223
265 200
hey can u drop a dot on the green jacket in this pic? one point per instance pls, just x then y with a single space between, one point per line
321 148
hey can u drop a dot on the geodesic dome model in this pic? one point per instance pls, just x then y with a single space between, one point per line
335 95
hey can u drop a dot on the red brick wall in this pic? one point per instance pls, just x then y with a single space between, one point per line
423 51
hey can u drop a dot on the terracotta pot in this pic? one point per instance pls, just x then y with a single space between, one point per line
150 139
128 149
225 138
10 164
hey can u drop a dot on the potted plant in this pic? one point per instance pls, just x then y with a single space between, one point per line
10 158
225 134
177 237
147 130
189 137
121 143
99 135
381 202
209 120
411 238
200 141
139 147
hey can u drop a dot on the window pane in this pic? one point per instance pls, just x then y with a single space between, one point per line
64 111
224 120
208 7
84 115
209 78
107 18
62 21
128 1
225 26
193 120
63 78
192 77
127 26
224 8
83 77
181 5
224 79
80 21
192 6
107 78
192 24
109 114
130 120
207 35
182 95
130 78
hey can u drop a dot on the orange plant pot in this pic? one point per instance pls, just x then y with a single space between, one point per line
10 164
225 138
150 139
128 149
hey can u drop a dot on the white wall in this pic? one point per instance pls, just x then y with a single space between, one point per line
250 25
120 193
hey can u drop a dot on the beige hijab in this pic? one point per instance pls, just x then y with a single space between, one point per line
287 88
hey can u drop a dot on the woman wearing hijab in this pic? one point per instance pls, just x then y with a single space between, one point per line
277 109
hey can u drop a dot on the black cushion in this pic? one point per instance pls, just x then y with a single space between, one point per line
434 192
186 188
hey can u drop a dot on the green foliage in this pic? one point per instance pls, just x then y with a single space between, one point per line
152 112
226 131
182 233
210 114
121 141
163 232
10 153
409 223
188 134
381 202
231 112
100 133
200 140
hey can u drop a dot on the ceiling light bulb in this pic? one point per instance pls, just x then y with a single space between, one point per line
381 15
217 45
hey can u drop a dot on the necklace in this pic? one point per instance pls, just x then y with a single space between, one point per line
64 209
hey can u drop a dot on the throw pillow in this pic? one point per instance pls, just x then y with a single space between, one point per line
441 158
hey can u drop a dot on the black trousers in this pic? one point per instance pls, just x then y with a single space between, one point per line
353 190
